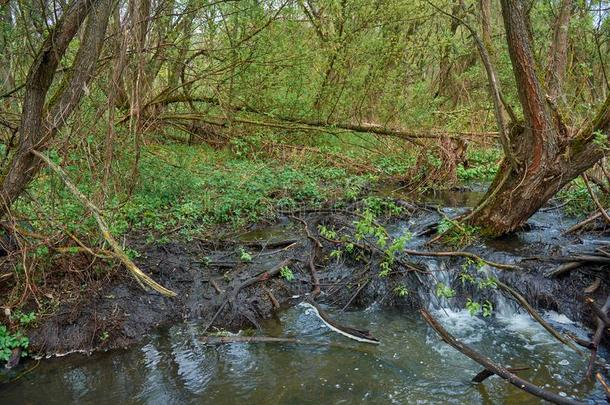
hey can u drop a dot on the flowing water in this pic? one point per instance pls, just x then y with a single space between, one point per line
411 365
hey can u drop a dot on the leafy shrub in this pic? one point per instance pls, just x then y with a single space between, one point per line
10 341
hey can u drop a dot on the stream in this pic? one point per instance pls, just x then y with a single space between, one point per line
411 365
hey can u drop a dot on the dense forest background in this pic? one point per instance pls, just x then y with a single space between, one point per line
172 116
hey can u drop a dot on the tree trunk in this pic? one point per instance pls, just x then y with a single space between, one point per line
40 123
547 155
558 51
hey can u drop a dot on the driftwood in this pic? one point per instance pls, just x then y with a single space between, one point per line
493 367
360 335
139 275
232 295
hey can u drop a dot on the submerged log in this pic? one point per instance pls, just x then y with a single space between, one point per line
485 374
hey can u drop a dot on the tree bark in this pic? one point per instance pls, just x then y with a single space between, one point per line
558 51
548 155
40 122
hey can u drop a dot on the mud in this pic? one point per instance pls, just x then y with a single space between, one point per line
204 273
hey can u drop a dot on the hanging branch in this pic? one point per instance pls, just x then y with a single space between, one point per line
139 275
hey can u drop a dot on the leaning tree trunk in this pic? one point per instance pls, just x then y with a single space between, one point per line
543 155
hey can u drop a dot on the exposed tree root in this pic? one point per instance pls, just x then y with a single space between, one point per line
229 297
315 280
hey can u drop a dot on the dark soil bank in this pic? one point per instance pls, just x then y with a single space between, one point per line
206 275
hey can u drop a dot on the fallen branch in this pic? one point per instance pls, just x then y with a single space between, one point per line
469 255
581 224
223 340
590 258
564 268
230 297
602 323
534 314
493 367
485 374
139 275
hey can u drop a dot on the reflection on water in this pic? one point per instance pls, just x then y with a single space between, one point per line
410 366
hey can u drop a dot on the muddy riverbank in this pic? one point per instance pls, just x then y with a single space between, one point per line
208 274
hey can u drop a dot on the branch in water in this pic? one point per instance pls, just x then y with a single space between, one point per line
493 367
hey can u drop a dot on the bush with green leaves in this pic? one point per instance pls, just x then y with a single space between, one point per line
10 341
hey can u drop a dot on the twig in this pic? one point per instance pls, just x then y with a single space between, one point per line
356 294
272 298
139 275
493 367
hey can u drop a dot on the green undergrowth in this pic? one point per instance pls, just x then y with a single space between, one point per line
481 165
190 189
576 200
